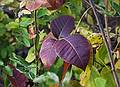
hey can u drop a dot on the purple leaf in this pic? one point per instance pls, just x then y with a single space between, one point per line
1 82
47 52
62 26
74 49
18 79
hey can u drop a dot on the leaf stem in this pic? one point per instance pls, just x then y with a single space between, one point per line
106 43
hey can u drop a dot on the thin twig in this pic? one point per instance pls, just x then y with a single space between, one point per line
82 18
106 24
106 43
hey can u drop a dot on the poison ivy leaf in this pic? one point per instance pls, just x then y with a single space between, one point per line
62 26
18 79
31 55
33 5
1 83
47 52
55 4
74 49
50 4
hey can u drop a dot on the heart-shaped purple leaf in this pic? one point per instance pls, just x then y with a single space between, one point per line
74 49
62 26
47 52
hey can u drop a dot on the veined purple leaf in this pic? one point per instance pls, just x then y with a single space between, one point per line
74 49
47 52
62 26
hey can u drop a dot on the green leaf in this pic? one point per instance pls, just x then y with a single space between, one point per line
107 75
26 42
47 77
102 55
67 77
1 63
88 77
76 7
32 71
85 76
117 65
94 74
95 39
90 19
8 70
5 2
25 21
43 12
100 82
115 6
19 60
31 55
2 29
4 52
12 25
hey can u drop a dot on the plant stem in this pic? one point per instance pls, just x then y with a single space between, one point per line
82 18
106 24
35 42
106 43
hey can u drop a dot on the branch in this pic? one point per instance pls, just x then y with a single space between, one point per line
106 43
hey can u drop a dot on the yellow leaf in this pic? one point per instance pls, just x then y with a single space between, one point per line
31 55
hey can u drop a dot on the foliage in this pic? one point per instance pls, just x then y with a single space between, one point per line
52 43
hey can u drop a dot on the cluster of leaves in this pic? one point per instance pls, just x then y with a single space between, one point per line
71 34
